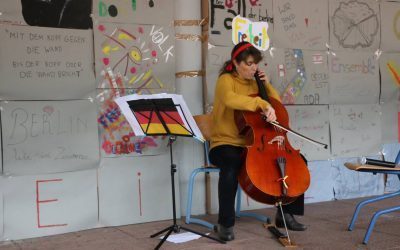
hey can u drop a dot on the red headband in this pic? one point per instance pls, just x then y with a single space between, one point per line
229 67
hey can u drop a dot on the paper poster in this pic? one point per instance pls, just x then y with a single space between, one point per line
390 120
390 27
352 184
135 11
322 182
48 136
313 123
11 12
41 205
137 57
355 130
300 76
256 33
301 24
116 135
354 25
133 191
2 180
221 14
45 63
73 14
1 149
353 78
389 64
216 57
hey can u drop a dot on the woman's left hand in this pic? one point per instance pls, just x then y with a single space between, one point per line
263 76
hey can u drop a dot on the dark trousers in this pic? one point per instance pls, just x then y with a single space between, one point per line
229 159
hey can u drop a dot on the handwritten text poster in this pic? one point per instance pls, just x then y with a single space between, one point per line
40 205
353 78
134 11
355 130
354 25
45 63
311 122
223 12
300 27
49 136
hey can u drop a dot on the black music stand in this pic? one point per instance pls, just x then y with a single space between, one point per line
163 118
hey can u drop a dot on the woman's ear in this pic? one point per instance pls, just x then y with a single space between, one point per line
235 63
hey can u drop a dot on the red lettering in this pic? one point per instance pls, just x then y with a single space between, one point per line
38 201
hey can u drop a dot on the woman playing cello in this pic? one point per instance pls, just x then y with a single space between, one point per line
234 90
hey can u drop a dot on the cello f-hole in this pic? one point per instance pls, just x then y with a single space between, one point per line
262 144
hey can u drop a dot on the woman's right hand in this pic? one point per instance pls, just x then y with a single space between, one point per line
269 113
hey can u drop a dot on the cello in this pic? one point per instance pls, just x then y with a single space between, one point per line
273 172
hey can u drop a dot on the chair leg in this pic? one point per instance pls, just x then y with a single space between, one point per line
239 213
365 202
190 198
374 218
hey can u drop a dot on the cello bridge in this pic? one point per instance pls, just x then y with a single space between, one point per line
280 140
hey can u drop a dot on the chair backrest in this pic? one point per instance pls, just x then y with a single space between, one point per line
397 161
205 123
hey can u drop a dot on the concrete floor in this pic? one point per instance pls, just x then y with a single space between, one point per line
327 222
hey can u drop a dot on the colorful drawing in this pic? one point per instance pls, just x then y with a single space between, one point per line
131 59
117 137
137 55
394 71
222 14
254 32
294 60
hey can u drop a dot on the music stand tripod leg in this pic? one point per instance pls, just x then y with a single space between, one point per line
175 227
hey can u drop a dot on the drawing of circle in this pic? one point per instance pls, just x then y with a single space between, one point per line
112 11
396 25
350 22
135 55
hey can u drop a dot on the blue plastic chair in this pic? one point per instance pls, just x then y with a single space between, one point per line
210 169
375 199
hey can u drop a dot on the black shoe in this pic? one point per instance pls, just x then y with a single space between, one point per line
225 233
291 222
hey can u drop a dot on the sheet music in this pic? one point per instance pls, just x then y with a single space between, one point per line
178 100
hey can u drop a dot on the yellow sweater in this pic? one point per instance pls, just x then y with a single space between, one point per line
233 93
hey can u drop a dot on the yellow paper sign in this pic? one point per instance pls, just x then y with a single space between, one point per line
253 32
